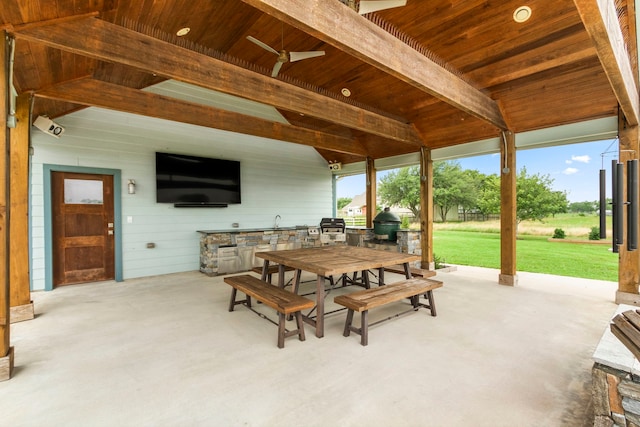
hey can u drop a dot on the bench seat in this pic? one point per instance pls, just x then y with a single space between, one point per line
415 272
365 300
271 270
283 301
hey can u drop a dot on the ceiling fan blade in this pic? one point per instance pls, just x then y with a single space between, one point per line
374 6
262 45
276 68
297 56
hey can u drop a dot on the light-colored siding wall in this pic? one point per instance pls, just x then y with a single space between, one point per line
278 178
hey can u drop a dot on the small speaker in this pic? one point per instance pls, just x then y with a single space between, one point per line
335 166
48 126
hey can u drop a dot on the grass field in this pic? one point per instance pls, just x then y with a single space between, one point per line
478 243
534 254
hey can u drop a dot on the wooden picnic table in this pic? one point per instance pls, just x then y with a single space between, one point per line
332 260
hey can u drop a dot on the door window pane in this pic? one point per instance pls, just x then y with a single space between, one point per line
82 192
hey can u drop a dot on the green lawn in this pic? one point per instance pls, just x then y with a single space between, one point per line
535 254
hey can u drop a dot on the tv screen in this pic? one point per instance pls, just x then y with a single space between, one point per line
192 180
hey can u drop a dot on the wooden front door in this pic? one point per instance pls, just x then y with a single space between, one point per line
83 228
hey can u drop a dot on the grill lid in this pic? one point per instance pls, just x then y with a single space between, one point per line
387 217
332 225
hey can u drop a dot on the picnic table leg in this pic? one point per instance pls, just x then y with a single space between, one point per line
381 276
232 303
320 306
265 271
347 323
407 271
281 276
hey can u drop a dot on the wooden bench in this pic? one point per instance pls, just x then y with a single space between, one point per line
363 301
283 301
415 272
626 327
271 270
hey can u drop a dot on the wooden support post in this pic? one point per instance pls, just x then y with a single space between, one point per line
6 352
426 209
371 192
20 300
508 224
628 261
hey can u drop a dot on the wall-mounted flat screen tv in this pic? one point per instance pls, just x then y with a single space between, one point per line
196 181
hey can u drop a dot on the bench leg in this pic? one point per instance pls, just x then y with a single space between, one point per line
281 330
232 303
432 303
364 328
300 325
347 323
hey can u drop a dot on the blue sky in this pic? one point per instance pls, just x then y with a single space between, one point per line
573 168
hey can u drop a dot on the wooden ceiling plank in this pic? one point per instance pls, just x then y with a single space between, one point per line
108 42
600 18
96 93
336 24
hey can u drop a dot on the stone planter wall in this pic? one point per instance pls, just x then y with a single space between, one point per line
616 382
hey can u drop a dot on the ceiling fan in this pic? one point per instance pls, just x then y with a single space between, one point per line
284 56
368 6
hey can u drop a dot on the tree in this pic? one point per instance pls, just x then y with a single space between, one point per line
584 207
343 201
402 188
534 197
454 187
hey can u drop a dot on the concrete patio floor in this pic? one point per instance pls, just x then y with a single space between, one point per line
164 351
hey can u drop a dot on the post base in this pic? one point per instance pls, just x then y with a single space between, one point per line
508 279
6 366
627 298
20 313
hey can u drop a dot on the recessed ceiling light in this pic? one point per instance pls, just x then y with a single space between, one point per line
522 14
183 31
346 92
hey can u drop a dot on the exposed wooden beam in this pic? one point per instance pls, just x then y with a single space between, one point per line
600 18
101 40
97 93
338 25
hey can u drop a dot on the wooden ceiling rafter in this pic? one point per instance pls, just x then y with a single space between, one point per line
108 42
600 19
95 93
336 24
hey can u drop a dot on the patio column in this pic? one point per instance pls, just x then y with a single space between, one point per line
628 261
426 208
371 192
6 351
508 224
20 299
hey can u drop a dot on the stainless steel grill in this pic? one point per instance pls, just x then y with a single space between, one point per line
332 230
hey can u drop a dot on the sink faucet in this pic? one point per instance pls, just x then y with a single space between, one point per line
276 223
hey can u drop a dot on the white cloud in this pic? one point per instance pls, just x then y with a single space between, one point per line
581 159
570 171
568 162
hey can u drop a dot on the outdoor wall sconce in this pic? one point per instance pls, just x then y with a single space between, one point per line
131 186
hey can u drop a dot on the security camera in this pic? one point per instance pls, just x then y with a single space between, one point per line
48 126
335 166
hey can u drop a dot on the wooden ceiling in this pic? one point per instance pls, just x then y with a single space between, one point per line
435 73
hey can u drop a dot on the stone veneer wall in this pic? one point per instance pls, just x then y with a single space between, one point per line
616 382
408 241
260 240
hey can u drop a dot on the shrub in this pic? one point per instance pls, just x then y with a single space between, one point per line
438 262
404 224
594 234
558 233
